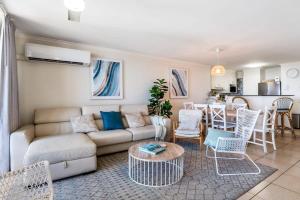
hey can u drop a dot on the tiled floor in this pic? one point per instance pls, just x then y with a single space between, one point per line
285 183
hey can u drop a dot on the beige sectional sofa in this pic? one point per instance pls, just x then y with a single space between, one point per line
51 138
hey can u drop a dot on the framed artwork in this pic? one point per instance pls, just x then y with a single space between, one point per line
179 83
106 79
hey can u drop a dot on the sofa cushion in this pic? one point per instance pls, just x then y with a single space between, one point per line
95 110
112 120
60 148
135 120
103 138
143 109
53 129
52 115
84 124
141 133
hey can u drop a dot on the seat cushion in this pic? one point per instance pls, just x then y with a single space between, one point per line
187 132
213 135
142 133
103 138
60 148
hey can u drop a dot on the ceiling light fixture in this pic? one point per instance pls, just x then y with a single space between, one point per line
218 69
75 7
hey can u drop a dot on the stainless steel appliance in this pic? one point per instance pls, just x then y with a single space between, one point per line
233 88
270 87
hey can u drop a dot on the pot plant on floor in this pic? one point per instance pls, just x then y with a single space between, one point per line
159 107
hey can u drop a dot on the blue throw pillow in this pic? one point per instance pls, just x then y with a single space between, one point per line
213 135
112 120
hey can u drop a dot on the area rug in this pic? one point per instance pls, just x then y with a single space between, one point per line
199 181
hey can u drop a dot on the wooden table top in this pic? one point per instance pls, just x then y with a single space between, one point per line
172 152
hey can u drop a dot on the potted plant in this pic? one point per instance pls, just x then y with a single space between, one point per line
158 105
160 108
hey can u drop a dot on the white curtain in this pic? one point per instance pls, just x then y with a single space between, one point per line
9 105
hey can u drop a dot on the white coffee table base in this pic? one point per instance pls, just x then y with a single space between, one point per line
155 173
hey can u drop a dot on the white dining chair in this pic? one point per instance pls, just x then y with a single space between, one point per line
219 118
205 117
188 105
267 126
234 107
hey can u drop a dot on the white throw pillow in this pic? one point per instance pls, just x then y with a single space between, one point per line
188 124
84 124
135 120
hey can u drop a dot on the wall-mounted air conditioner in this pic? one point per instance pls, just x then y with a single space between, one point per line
46 53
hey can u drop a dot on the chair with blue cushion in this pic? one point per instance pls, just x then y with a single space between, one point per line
230 143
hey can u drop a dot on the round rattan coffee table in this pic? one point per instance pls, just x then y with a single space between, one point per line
163 169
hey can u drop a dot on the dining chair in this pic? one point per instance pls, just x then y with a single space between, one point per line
284 106
205 117
219 118
189 126
239 99
267 126
237 106
234 107
233 143
188 105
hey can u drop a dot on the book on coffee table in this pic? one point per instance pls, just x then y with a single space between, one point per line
152 148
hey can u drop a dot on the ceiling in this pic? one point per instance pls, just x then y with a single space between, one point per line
249 31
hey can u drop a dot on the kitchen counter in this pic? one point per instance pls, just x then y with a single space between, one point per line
259 102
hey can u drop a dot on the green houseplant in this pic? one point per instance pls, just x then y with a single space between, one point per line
158 105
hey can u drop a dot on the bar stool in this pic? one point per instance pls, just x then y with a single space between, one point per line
284 106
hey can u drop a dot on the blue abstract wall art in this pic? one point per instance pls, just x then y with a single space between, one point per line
106 79
179 83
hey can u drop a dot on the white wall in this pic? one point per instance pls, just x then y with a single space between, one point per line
271 72
52 85
250 81
291 86
224 81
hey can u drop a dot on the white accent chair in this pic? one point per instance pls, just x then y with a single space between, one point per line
246 120
205 118
189 127
219 118
188 105
31 182
268 126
